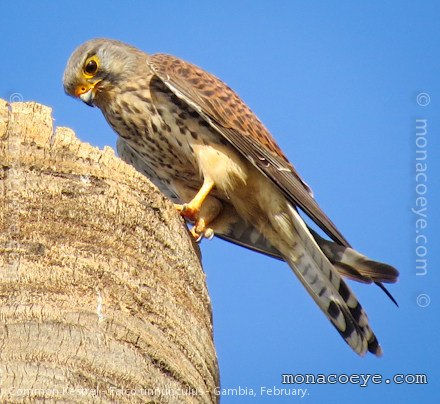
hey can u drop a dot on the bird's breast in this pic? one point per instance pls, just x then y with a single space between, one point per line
173 142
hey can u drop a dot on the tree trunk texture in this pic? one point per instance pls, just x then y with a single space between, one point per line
102 295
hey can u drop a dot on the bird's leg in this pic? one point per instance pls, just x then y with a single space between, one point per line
192 211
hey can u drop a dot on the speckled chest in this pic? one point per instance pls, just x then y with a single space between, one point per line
162 129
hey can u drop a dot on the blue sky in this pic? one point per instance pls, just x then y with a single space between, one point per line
338 85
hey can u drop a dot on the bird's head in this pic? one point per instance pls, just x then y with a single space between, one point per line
96 67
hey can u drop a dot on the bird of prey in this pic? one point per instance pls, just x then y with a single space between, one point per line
206 150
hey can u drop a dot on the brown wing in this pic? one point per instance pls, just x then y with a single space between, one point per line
229 115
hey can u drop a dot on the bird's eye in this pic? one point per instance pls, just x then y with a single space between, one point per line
91 67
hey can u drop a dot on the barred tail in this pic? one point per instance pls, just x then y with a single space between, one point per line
325 285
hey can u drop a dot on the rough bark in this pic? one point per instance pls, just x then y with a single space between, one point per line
102 295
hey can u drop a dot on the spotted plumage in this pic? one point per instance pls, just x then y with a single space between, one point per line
204 148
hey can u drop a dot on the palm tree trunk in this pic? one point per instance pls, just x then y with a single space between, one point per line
102 295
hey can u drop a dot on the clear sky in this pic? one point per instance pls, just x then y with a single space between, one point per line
340 85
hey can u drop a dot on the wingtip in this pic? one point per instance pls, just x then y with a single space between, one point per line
387 292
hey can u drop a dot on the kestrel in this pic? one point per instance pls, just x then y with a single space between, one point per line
207 151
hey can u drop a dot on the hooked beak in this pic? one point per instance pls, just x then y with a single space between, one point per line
87 97
86 92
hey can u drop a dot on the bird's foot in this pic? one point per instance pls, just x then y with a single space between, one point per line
191 214
200 230
188 212
207 233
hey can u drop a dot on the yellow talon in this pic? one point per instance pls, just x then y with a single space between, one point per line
191 210
187 211
200 231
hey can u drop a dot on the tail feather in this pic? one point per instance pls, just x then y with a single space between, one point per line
350 272
325 285
347 261
354 265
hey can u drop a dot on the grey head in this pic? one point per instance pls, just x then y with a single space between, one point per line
98 65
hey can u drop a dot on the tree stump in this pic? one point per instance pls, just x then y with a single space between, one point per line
102 295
